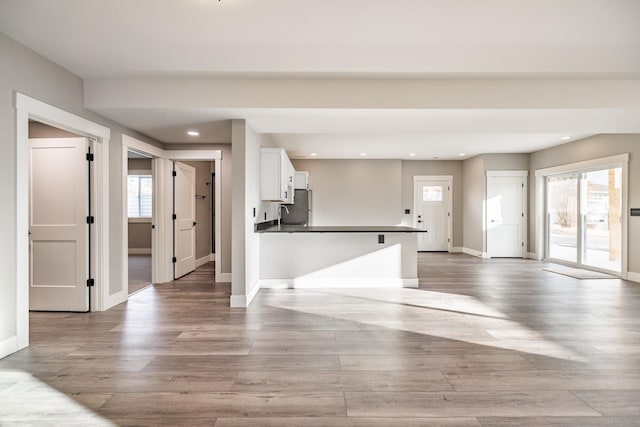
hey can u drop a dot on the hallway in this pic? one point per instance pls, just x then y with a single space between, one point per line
481 343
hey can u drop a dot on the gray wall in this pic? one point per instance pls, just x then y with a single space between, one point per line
29 73
354 192
41 130
598 146
203 207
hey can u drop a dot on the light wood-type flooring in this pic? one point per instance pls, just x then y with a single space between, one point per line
491 343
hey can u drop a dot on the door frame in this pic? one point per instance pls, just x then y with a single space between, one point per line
619 160
162 234
30 108
449 180
524 174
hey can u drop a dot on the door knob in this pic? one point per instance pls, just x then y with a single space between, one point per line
419 221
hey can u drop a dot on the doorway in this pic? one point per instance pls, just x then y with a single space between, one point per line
432 212
139 220
506 204
584 218
60 220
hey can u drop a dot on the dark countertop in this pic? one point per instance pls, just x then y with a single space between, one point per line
339 229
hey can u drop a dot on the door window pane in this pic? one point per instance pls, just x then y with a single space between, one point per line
432 193
562 217
602 192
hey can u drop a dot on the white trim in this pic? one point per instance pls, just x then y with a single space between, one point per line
634 277
208 155
449 180
238 301
218 275
8 346
531 255
202 261
223 277
139 251
326 283
603 162
522 173
475 253
253 293
457 249
26 108
212 257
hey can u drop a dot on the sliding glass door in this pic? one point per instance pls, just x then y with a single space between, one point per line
583 218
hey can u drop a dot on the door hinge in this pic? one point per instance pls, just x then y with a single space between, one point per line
448 240
448 213
174 173
90 219
90 157
174 216
90 283
174 259
522 214
523 244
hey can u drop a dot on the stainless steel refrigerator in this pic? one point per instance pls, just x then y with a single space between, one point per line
299 213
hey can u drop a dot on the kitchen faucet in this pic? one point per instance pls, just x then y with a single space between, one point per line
280 213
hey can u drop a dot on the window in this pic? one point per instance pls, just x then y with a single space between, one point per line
432 193
139 196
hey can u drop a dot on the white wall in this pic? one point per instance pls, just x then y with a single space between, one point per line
354 192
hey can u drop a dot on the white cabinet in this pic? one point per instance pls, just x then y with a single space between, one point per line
276 176
301 180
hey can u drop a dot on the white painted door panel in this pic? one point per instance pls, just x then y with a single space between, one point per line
58 202
432 214
505 216
185 209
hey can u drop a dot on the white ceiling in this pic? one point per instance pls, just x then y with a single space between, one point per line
304 39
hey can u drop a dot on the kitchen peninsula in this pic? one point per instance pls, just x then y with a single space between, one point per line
296 256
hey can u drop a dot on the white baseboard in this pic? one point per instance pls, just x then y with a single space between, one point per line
8 346
139 251
456 250
223 277
315 283
212 257
474 252
634 277
202 261
253 293
531 255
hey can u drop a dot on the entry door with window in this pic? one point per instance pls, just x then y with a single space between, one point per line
185 221
58 209
505 214
432 210
584 218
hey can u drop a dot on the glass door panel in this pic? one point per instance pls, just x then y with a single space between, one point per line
562 217
602 205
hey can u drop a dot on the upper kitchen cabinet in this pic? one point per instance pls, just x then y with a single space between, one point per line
301 180
276 176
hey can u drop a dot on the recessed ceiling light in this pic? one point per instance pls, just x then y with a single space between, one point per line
412 154
363 154
435 158
193 133
314 154
565 138
461 154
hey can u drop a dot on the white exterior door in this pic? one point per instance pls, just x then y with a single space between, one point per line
505 215
185 222
58 206
432 210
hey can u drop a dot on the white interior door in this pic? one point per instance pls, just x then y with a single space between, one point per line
432 212
58 206
185 222
505 216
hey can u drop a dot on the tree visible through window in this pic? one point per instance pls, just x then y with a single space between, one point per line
139 196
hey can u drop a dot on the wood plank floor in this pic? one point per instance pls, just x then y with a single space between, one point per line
493 343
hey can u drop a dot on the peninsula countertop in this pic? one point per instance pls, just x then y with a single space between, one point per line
339 229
